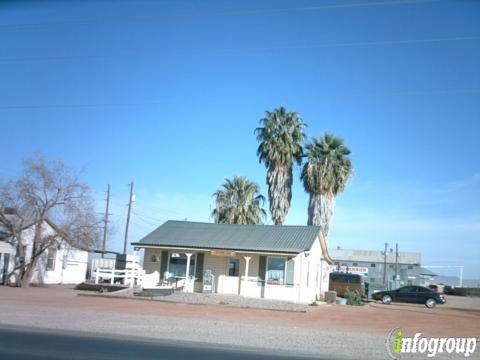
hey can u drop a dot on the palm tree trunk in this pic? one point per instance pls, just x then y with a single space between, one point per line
279 180
320 212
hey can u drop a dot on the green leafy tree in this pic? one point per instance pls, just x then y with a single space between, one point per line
239 201
324 176
281 136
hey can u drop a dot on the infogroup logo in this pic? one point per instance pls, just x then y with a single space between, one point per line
397 343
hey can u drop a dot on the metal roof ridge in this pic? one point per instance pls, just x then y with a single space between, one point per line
243 225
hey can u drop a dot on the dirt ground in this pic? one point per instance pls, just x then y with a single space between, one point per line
459 318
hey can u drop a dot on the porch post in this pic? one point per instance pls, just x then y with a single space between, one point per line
186 288
245 284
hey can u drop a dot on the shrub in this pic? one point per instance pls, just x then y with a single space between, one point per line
353 298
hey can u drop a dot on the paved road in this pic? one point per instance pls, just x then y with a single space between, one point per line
22 343
331 332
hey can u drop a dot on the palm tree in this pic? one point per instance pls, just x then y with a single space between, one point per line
325 176
239 201
281 137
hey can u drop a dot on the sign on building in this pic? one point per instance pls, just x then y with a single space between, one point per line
208 282
349 269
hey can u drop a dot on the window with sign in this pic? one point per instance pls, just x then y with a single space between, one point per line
178 264
276 271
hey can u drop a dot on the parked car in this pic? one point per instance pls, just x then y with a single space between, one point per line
411 294
341 282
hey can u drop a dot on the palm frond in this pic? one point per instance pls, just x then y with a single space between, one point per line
281 136
239 201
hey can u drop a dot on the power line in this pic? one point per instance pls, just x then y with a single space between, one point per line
244 50
148 217
105 228
119 218
344 95
159 209
66 106
130 201
148 19
145 221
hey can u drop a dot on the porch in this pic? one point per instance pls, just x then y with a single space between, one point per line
268 275
287 263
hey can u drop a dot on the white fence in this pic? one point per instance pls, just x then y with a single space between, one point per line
104 269
103 263
129 277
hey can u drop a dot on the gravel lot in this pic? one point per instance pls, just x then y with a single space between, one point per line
341 332
334 345
216 299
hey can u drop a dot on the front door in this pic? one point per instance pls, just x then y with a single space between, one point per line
231 280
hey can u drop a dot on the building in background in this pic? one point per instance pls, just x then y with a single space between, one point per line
64 263
405 269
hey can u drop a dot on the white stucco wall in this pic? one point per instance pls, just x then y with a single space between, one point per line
310 275
70 262
70 267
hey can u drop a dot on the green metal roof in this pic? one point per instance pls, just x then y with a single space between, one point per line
257 238
424 271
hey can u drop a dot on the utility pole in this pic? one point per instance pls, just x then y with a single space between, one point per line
396 261
385 265
128 218
106 222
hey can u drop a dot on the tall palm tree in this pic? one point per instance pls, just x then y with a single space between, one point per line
239 201
324 176
281 137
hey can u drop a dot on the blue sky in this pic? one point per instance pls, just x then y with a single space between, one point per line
168 94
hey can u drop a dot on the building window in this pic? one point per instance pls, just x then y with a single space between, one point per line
410 267
51 257
276 271
178 264
336 263
355 264
372 280
234 267
372 265
154 258
390 266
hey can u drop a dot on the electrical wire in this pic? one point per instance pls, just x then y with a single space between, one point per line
149 19
410 93
243 50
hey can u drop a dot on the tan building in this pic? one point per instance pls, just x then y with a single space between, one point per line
266 261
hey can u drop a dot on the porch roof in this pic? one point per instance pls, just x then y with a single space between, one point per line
255 238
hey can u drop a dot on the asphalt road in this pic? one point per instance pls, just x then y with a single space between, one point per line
23 343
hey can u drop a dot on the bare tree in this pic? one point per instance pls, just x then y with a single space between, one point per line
46 193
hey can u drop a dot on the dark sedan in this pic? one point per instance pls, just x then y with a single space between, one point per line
411 294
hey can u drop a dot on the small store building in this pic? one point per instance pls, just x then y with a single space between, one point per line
265 261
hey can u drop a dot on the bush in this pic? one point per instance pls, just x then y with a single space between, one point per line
353 298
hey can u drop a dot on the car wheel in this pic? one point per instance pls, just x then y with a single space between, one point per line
430 303
386 299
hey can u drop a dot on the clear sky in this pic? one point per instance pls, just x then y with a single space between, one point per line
168 94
